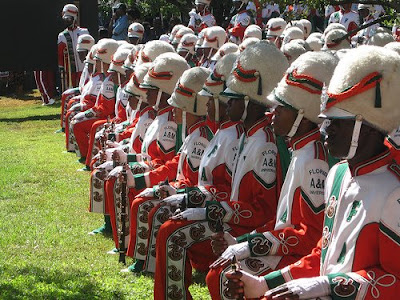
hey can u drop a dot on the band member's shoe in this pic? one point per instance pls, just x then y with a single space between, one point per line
105 229
136 267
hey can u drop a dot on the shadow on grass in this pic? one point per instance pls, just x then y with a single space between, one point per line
31 118
38 283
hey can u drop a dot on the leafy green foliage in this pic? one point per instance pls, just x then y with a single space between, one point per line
46 252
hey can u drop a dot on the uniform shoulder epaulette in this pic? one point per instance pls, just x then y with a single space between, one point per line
269 133
395 169
320 151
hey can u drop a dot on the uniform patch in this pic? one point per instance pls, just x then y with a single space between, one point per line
167 136
108 90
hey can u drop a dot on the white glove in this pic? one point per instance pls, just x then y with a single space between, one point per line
111 144
174 200
305 288
146 193
192 13
99 134
241 251
115 172
168 188
191 214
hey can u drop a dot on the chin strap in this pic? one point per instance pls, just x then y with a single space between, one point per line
159 94
119 78
183 126
216 104
354 138
246 103
296 123
102 68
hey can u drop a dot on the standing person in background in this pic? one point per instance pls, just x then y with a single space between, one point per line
201 17
119 23
69 64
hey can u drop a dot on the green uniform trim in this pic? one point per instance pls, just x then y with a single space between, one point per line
274 279
140 182
329 220
131 158
315 209
242 238
391 234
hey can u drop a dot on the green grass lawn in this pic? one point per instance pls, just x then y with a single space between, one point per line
45 251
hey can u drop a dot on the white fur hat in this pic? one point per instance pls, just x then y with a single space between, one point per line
307 27
132 87
297 24
275 26
365 83
181 32
200 37
380 39
165 72
91 54
216 83
118 60
254 80
214 37
330 38
70 10
302 43
395 46
383 29
164 37
247 42
85 42
186 94
152 49
253 31
130 60
136 30
315 42
292 33
205 2
126 46
224 50
188 41
301 86
175 30
292 51
105 50
333 26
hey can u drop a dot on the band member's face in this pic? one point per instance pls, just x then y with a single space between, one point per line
235 109
200 7
283 120
177 115
133 101
68 21
152 96
134 40
339 133
82 55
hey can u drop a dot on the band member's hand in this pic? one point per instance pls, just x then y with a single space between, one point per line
240 282
304 288
220 241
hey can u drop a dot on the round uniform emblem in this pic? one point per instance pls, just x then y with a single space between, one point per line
331 209
325 237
